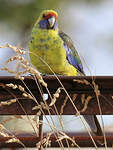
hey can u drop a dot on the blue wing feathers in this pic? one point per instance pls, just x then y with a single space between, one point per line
71 53
72 59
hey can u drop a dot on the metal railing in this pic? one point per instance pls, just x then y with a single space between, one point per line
73 85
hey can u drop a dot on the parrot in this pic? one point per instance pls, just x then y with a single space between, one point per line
55 48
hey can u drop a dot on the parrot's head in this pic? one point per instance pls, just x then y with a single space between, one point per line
48 20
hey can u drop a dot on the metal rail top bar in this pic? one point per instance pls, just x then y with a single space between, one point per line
78 85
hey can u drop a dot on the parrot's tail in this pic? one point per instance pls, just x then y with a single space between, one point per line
95 126
99 130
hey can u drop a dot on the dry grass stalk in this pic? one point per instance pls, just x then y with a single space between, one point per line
64 104
3 122
37 107
11 85
55 96
39 144
23 63
27 69
18 58
83 98
34 72
46 142
14 86
8 70
2 85
19 77
35 121
2 131
21 88
1 127
86 101
75 108
31 70
96 88
63 136
97 92
38 113
82 81
15 49
41 106
27 95
13 140
9 102
74 96
44 106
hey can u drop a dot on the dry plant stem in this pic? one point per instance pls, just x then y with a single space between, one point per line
81 81
61 123
58 115
45 101
71 102
53 103
97 92
55 96
13 138
16 99
22 109
48 141
64 136
15 49
78 113
52 127
19 51
19 58
3 122
64 104
85 102
9 102
86 65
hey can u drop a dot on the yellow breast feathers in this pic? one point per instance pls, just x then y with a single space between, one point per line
46 48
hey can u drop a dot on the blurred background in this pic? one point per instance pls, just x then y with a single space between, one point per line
88 22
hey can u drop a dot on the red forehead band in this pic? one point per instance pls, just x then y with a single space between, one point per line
50 15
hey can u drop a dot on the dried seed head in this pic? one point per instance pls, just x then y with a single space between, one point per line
82 81
9 102
55 96
11 85
18 58
8 70
4 134
13 140
25 95
21 88
19 77
15 49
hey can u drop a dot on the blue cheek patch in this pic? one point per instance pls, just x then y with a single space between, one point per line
43 24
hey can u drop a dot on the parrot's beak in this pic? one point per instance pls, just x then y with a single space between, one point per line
51 21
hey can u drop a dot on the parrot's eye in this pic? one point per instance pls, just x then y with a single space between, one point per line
44 16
